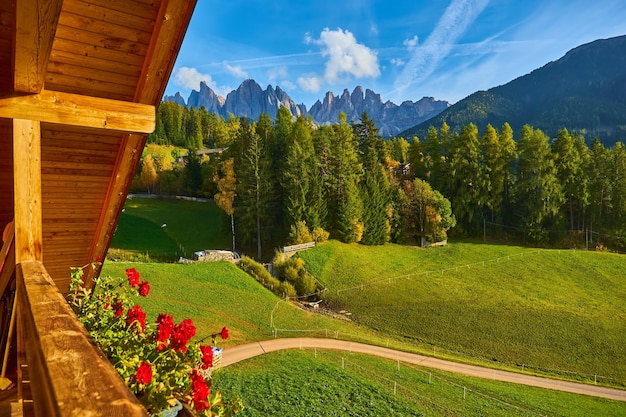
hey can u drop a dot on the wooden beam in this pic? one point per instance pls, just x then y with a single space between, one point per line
171 24
35 26
68 374
27 190
77 110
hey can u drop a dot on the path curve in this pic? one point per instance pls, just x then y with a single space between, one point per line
250 350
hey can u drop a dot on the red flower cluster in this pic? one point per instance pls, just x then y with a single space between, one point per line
144 288
133 277
224 333
207 357
165 328
200 391
182 335
136 315
144 373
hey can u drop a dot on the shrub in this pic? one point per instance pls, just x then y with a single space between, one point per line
319 235
287 289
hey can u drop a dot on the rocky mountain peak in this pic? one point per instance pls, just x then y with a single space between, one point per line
250 100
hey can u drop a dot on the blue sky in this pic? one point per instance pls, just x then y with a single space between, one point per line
403 50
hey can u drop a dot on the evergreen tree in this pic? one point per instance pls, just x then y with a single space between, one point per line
298 171
601 186
345 175
469 185
618 177
375 186
538 193
253 186
193 172
568 170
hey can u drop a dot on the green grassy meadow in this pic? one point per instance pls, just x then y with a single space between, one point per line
190 226
561 311
306 382
303 383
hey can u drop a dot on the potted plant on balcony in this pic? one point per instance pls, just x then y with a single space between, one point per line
158 361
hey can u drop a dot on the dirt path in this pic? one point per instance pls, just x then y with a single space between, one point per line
242 352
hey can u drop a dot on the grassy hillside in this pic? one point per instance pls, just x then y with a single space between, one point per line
305 383
189 226
549 309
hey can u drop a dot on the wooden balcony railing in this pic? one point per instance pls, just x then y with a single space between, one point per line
64 373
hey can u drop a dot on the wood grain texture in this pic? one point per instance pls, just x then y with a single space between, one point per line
77 110
68 375
27 188
35 25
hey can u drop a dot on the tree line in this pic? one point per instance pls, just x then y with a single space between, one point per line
288 181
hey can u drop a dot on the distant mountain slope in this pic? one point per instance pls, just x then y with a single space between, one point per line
250 100
585 89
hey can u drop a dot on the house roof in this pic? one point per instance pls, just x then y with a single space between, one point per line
91 72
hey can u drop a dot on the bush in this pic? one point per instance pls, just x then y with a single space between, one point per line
287 289
261 274
319 235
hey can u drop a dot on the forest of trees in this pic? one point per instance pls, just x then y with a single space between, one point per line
281 180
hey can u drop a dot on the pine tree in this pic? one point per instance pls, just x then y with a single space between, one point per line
253 186
538 193
568 169
375 186
345 174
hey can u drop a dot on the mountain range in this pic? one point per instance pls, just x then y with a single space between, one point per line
585 90
250 100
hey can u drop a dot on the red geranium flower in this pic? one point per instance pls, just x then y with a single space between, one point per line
136 314
183 334
224 333
144 373
119 309
207 357
133 277
200 391
144 288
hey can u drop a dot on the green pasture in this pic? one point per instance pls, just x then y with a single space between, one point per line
558 312
329 383
217 294
189 226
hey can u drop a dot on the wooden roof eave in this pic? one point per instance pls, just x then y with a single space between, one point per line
172 21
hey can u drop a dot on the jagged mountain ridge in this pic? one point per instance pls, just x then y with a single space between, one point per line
250 100
583 90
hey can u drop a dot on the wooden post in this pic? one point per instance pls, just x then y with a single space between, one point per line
27 190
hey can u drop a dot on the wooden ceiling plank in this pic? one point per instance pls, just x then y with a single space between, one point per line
93 51
35 26
105 28
77 110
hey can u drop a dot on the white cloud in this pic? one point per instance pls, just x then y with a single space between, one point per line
310 84
236 70
398 62
374 29
457 18
410 44
187 77
277 73
345 56
287 85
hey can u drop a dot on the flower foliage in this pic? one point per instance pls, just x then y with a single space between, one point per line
158 361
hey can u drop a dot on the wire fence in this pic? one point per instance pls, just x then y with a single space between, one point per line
396 385
441 352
